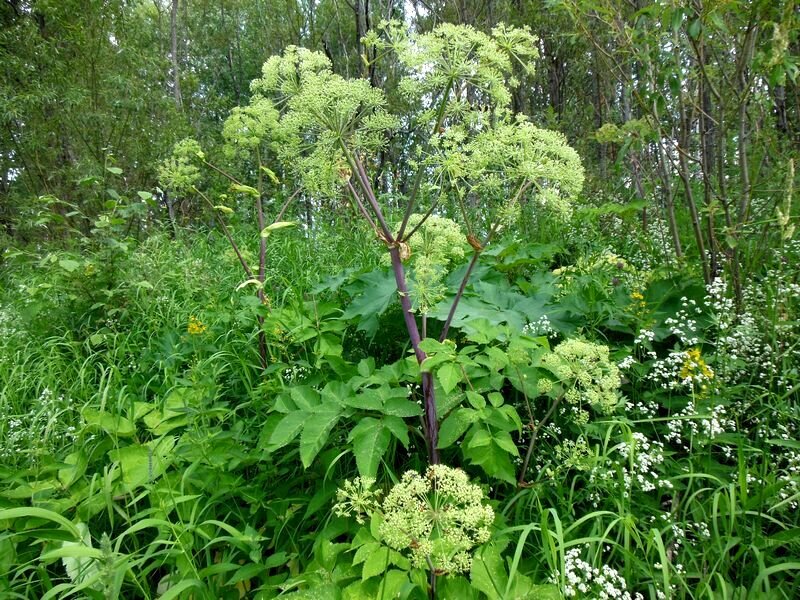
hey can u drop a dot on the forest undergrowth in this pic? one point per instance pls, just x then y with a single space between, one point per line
300 370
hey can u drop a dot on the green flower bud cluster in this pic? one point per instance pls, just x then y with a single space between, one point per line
573 455
248 127
357 499
587 373
496 160
481 63
436 246
179 173
321 113
438 518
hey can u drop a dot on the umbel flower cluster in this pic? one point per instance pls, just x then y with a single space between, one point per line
436 518
586 371
437 244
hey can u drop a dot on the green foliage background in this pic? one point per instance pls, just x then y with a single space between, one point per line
620 377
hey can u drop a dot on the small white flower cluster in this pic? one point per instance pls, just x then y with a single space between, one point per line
740 345
692 427
681 369
647 456
645 336
647 409
294 373
42 431
582 580
683 325
789 476
539 327
626 363
9 327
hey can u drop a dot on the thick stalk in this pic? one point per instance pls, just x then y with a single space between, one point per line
262 264
363 180
430 420
412 199
478 249
475 256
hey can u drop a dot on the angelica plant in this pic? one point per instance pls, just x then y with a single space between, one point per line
453 137
436 519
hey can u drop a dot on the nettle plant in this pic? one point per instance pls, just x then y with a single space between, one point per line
456 147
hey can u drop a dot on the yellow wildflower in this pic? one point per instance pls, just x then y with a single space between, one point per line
695 367
196 326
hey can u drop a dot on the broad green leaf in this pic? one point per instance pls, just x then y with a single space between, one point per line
77 462
392 584
376 563
435 360
143 463
366 366
365 551
494 460
480 437
305 396
370 441
476 400
114 170
372 293
112 424
497 358
316 431
398 428
503 439
456 587
694 28
496 398
335 391
287 429
78 557
68 264
432 346
449 376
488 573
400 407
454 426
367 400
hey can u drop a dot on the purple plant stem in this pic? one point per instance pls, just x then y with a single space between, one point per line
459 294
431 422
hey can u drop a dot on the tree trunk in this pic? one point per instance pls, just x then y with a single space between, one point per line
176 75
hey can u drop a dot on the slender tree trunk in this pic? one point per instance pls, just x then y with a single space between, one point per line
743 208
176 75
686 178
